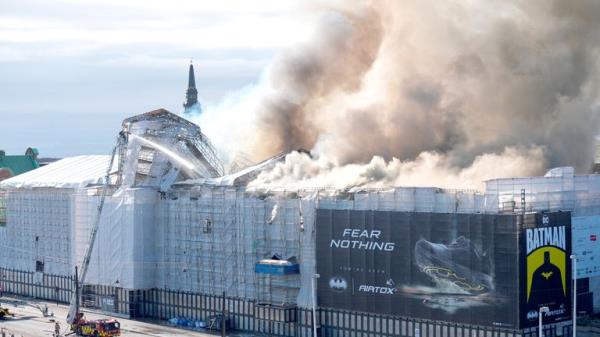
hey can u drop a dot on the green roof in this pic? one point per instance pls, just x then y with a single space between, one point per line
20 164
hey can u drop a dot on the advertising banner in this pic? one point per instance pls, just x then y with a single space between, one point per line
449 267
545 267
586 245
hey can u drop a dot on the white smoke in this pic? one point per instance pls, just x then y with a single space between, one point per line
429 169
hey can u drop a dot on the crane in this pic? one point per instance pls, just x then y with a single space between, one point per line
75 318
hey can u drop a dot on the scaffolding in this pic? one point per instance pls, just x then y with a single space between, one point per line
36 236
199 238
579 194
162 148
212 238
2 208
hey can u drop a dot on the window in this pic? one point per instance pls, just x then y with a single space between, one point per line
145 158
39 266
207 226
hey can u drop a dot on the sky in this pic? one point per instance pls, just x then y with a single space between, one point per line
72 70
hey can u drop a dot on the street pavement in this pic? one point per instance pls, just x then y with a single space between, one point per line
30 322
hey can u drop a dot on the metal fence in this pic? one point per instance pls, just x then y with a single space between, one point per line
336 323
565 329
243 314
248 315
36 285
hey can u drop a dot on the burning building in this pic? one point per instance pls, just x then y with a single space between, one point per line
176 233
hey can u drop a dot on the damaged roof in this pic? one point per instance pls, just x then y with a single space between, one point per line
240 178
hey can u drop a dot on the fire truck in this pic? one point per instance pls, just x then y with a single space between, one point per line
95 328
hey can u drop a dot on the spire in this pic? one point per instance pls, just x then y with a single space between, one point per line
191 104
192 79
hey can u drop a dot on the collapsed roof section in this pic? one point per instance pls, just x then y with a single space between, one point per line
240 177
160 148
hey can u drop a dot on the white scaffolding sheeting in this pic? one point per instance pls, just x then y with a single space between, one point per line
407 199
211 238
36 236
558 190
71 172
39 212
124 253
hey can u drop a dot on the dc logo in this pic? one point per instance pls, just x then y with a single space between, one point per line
545 220
338 283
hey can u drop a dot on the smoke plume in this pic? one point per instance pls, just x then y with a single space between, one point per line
432 93
299 170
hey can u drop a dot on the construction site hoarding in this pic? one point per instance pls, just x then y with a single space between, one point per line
440 266
545 267
586 245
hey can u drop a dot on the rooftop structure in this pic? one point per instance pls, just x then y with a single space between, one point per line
158 148
12 165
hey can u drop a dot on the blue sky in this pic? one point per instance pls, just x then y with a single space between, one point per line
71 70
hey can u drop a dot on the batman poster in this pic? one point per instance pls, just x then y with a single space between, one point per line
545 267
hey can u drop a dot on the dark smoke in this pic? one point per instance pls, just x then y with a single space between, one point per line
344 48
438 93
459 78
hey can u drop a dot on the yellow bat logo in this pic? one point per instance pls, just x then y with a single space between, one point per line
547 275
